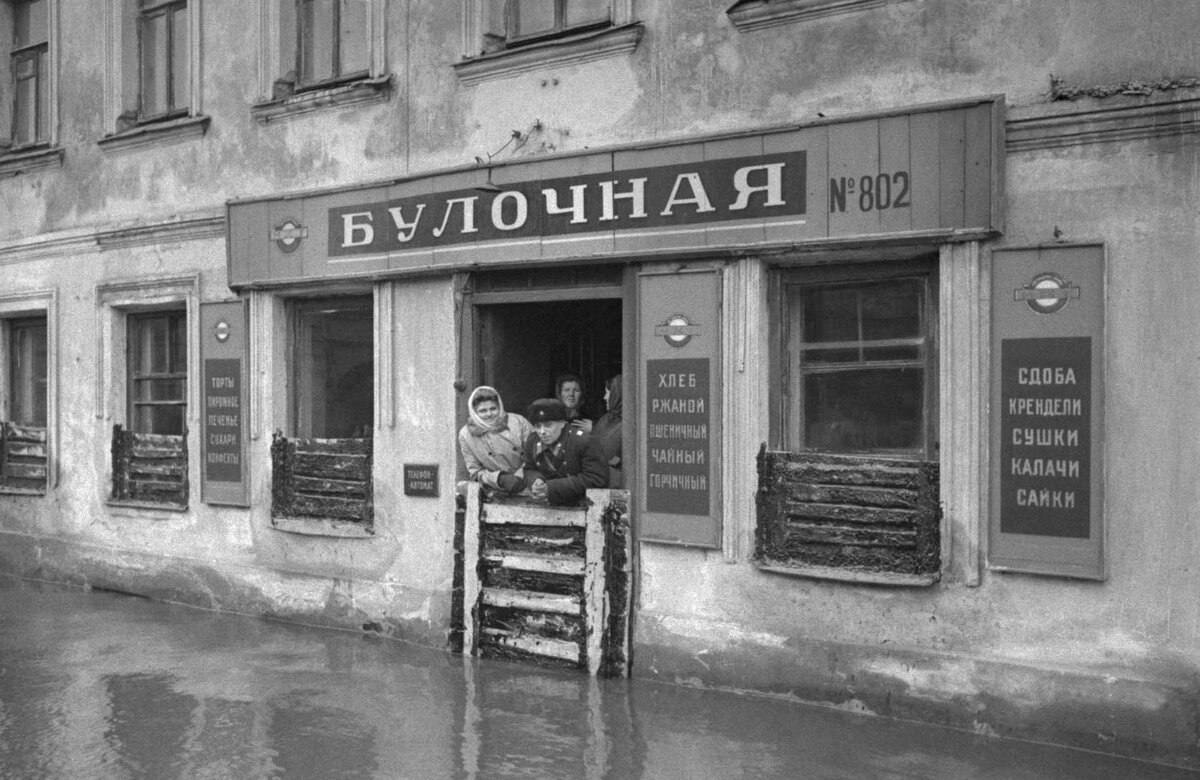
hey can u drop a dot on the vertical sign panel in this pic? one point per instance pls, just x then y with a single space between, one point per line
679 419
223 404
1047 411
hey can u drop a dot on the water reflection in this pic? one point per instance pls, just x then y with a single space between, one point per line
94 685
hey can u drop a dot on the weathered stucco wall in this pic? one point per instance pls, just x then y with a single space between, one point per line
1018 654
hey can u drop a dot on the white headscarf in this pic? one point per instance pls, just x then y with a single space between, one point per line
475 424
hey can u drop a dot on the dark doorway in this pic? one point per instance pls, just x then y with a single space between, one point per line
522 347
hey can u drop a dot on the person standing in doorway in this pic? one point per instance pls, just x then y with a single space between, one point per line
561 462
491 442
568 388
607 432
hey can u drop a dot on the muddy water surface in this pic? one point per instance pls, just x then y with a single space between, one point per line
98 685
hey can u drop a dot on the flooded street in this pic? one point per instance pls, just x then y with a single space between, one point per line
99 685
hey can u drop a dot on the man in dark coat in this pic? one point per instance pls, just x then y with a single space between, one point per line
561 461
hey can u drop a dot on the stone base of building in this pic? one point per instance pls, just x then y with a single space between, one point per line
1150 712
387 609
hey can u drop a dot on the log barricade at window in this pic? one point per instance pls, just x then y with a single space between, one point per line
23 461
549 585
326 479
863 519
149 468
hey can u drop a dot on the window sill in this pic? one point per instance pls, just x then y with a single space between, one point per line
585 47
147 505
317 526
17 491
363 92
26 160
170 131
852 576
757 14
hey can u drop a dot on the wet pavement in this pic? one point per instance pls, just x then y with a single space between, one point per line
100 685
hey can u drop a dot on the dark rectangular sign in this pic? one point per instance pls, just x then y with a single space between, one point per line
224 472
1045 436
663 196
421 479
1046 486
223 420
678 456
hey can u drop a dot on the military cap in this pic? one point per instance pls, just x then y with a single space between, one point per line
546 410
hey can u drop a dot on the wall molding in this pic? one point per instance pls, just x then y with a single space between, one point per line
1062 124
756 14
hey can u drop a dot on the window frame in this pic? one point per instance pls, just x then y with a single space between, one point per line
137 374
26 306
39 52
487 53
787 379
513 37
282 94
303 36
148 11
18 386
301 401
126 124
42 152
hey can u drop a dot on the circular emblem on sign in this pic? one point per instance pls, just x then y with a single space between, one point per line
221 331
677 330
288 235
1048 293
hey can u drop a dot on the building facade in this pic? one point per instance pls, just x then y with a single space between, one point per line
899 293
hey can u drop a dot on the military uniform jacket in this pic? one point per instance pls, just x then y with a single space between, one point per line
570 465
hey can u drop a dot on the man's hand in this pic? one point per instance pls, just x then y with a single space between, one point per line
538 491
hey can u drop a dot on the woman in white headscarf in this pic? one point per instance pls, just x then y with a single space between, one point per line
491 441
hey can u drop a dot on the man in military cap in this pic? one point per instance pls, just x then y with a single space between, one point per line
561 461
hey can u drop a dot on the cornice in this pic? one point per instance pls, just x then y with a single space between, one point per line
25 161
155 133
81 242
1062 124
363 92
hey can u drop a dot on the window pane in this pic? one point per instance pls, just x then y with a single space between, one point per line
830 314
27 380
30 23
316 24
157 371
154 65
335 369
180 88
586 11
892 310
865 410
43 97
352 43
159 419
25 128
532 16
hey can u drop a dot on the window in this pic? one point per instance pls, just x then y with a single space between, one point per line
861 355
28 114
503 37
332 41
152 72
27 371
163 60
321 53
144 357
158 372
525 21
334 368
30 72
321 478
850 489
23 429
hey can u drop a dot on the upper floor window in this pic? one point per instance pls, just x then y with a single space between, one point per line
526 21
152 72
163 59
503 37
30 69
333 40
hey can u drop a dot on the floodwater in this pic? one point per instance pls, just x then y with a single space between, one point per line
100 685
